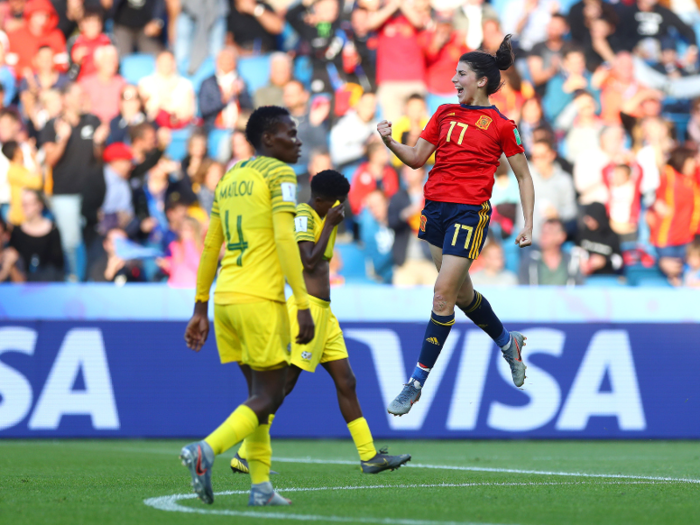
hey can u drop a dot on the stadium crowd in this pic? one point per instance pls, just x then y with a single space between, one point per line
119 117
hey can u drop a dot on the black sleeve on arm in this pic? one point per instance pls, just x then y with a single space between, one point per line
295 17
152 158
671 19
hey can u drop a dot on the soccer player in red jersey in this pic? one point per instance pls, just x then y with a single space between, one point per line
468 139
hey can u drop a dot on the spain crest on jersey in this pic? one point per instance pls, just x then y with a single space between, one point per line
484 122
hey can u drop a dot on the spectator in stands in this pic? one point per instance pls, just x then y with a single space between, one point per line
618 87
400 72
652 146
281 68
38 241
10 262
648 19
105 86
588 168
12 15
150 201
531 118
600 244
556 197
182 261
691 273
319 160
572 78
512 95
84 45
224 95
138 26
374 175
376 235
675 215
205 188
694 122
412 262
199 31
130 114
624 182
43 77
469 19
492 271
582 16
581 125
147 147
317 22
73 144
669 63
19 178
359 53
240 149
11 130
7 78
408 128
110 267
349 136
527 20
117 209
544 60
38 31
253 26
169 98
196 162
548 264
441 44
311 120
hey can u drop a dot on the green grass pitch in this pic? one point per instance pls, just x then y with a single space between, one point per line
484 482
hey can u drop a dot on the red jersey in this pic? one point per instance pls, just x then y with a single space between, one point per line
469 140
682 195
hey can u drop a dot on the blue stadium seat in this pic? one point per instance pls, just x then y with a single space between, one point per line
216 138
654 282
435 101
177 150
303 71
207 69
135 67
638 275
255 71
354 266
605 281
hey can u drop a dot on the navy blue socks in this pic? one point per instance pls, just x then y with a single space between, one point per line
481 313
435 335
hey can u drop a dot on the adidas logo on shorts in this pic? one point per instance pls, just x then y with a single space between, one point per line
433 340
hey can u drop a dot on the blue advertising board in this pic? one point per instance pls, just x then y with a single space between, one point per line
82 377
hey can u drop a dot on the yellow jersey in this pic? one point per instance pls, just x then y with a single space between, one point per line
308 227
245 200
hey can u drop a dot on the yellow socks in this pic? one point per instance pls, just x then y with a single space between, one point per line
361 435
243 451
259 453
237 426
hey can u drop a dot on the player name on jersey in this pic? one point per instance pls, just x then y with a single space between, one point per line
238 188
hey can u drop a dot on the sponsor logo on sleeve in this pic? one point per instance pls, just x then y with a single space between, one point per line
301 224
518 140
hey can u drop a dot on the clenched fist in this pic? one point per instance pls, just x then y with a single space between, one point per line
384 129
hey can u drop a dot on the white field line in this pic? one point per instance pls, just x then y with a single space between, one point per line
495 469
170 503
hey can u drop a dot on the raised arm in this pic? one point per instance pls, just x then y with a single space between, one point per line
412 156
312 252
518 164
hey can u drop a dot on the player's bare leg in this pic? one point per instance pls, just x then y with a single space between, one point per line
371 461
453 270
477 308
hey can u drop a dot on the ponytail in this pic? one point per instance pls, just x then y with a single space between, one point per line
490 66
